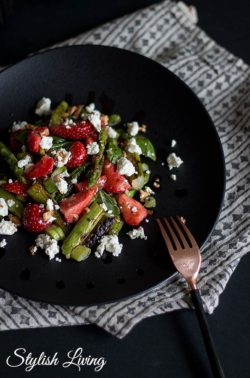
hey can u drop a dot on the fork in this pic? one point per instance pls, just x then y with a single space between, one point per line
186 257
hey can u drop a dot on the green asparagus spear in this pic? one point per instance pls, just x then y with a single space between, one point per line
17 207
96 170
11 160
80 253
114 119
55 232
56 116
116 226
82 229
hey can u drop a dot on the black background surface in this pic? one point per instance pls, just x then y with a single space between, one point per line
170 345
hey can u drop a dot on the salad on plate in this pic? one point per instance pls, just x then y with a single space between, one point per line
73 178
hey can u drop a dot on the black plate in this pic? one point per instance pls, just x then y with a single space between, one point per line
139 89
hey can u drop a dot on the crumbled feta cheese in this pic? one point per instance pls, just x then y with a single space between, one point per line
134 209
137 233
74 180
95 119
58 259
43 106
125 167
90 108
104 206
173 143
57 207
61 185
162 163
24 162
10 202
7 227
149 190
49 205
133 128
173 161
148 171
19 125
3 243
93 148
46 142
49 245
10 181
3 207
62 157
133 147
111 132
109 243
69 122
173 177
146 220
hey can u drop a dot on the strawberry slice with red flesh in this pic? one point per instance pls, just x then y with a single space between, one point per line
78 155
115 183
16 187
78 131
35 137
41 169
83 185
33 218
73 206
133 212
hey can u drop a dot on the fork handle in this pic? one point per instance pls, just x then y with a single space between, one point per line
207 337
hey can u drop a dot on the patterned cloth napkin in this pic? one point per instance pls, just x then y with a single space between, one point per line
167 33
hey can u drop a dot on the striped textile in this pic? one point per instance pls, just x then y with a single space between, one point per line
165 33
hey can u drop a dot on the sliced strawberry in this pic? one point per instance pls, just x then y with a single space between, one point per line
83 185
90 139
35 137
16 187
73 206
41 169
133 212
33 142
33 218
78 131
78 155
115 183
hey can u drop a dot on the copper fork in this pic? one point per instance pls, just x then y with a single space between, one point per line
186 257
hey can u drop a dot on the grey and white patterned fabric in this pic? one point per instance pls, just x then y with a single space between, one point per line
165 33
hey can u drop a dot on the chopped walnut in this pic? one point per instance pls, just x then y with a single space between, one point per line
15 220
143 195
143 128
156 184
104 120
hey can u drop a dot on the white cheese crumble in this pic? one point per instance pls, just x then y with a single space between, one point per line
95 119
173 143
137 233
7 227
58 259
133 128
49 245
62 157
43 106
49 205
133 147
173 177
19 125
90 108
61 185
48 216
10 181
93 148
173 161
3 207
69 122
57 207
111 132
3 243
46 142
24 162
109 243
10 202
125 167
74 180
